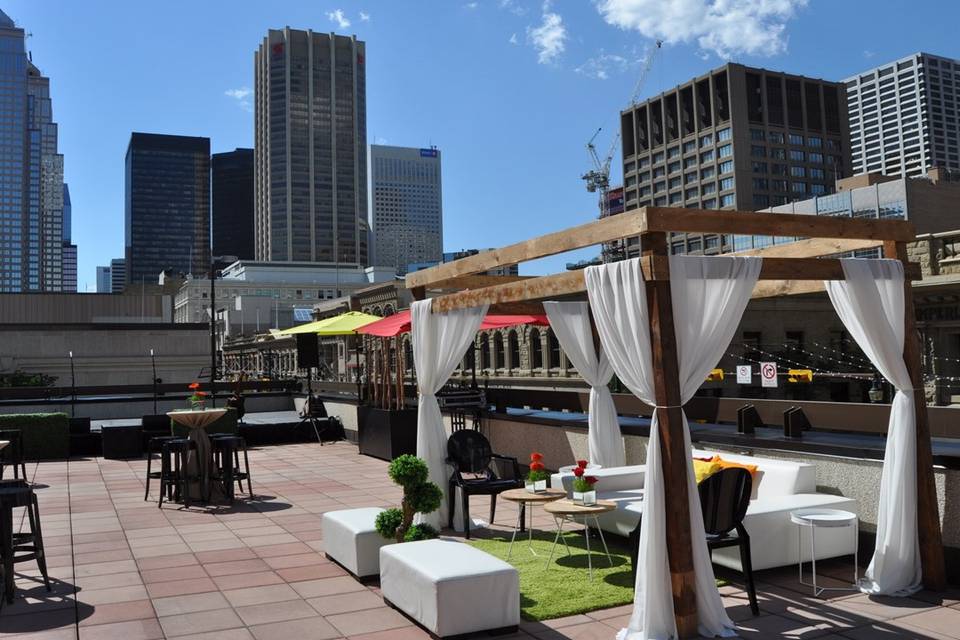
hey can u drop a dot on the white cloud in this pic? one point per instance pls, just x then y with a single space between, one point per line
513 7
514 39
471 5
242 96
550 37
339 17
723 27
869 54
603 64
364 16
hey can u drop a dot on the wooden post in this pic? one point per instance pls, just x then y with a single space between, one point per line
663 342
928 512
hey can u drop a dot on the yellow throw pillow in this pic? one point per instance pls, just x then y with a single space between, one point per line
703 470
727 464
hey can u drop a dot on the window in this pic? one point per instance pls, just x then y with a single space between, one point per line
659 172
692 193
659 186
709 172
815 157
690 163
710 187
759 167
660 202
761 200
674 182
761 183
723 134
676 198
725 151
816 173
629 166
775 136
689 146
727 200
796 139
798 172
706 156
814 141
778 154
758 151
778 169
757 134
673 152
710 203
658 157
798 187
678 246
673 167
726 183
712 242
726 166
797 155
833 145
643 162
706 141
690 177
779 185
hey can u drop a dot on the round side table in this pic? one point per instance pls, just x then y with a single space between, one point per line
817 518
527 501
568 510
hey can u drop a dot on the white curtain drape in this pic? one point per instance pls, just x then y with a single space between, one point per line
870 301
439 342
570 322
709 296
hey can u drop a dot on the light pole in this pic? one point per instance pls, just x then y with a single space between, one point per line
153 367
213 323
73 388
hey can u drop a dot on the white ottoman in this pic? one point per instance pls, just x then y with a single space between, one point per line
450 588
350 538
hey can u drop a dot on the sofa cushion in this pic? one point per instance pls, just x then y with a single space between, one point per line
703 469
773 477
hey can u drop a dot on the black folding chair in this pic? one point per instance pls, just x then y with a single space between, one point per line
478 471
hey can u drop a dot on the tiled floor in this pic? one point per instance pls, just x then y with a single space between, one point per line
123 568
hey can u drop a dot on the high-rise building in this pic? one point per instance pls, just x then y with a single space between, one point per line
311 148
104 284
904 116
735 138
31 182
407 206
167 206
118 275
232 179
69 249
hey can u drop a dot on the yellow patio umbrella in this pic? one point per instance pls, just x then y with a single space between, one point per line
341 325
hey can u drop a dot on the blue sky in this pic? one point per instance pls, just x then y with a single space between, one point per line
510 90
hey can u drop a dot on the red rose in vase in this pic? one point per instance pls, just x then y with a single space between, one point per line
582 464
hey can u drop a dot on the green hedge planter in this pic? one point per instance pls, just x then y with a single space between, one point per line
46 436
226 424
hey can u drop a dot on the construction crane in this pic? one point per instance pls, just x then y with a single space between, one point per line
598 178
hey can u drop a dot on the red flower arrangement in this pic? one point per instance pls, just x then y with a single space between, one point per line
538 472
197 398
583 483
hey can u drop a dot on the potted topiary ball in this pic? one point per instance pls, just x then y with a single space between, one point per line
419 496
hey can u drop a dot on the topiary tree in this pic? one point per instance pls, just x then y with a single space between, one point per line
419 496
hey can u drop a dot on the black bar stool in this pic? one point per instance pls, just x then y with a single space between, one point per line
22 546
12 454
226 463
155 446
175 476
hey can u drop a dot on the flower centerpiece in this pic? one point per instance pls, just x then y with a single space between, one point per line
198 399
537 476
583 491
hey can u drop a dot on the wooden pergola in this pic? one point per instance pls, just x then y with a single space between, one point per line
795 267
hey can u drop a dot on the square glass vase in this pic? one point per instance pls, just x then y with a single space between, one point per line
586 498
536 487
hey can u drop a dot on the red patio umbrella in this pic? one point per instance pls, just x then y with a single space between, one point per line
400 323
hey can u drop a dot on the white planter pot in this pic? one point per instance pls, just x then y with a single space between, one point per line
585 498
536 487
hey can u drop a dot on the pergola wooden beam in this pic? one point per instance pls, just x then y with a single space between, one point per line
476 281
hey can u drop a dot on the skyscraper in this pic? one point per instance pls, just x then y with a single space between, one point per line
167 206
737 138
118 275
904 116
407 206
69 249
104 284
311 148
232 176
31 180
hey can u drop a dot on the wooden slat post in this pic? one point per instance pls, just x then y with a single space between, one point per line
928 512
667 391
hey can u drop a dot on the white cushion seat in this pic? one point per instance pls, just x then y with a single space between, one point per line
450 588
350 538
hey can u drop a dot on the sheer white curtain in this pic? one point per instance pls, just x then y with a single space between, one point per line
709 296
870 301
570 322
439 342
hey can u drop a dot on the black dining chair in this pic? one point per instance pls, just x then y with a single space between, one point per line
478 471
12 454
20 546
724 498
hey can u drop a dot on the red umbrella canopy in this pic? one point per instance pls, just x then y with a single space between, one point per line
400 323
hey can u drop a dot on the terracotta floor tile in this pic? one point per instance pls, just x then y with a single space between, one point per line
236 566
367 621
260 595
176 605
226 634
327 587
311 572
119 612
244 580
180 587
118 594
179 559
298 560
130 630
109 580
416 633
226 555
346 602
275 612
273 550
304 629
173 573
192 623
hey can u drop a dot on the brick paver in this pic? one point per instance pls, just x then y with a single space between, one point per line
122 568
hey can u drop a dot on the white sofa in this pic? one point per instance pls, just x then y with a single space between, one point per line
779 487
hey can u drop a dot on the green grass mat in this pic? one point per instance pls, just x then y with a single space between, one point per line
565 588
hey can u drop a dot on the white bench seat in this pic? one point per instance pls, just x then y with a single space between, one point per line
450 588
350 538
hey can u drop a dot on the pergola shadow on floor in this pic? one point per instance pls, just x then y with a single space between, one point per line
787 268
122 568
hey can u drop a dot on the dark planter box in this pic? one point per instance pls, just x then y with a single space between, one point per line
79 426
120 443
386 434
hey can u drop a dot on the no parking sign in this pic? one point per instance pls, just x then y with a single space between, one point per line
768 374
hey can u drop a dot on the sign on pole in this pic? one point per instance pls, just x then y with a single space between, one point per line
744 374
768 374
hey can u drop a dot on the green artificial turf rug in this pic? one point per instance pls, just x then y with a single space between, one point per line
565 588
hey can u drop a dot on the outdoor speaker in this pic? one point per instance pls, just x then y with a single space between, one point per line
795 422
748 419
308 350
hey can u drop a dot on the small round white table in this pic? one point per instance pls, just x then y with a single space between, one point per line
816 518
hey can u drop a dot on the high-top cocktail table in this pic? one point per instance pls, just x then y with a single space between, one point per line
201 465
